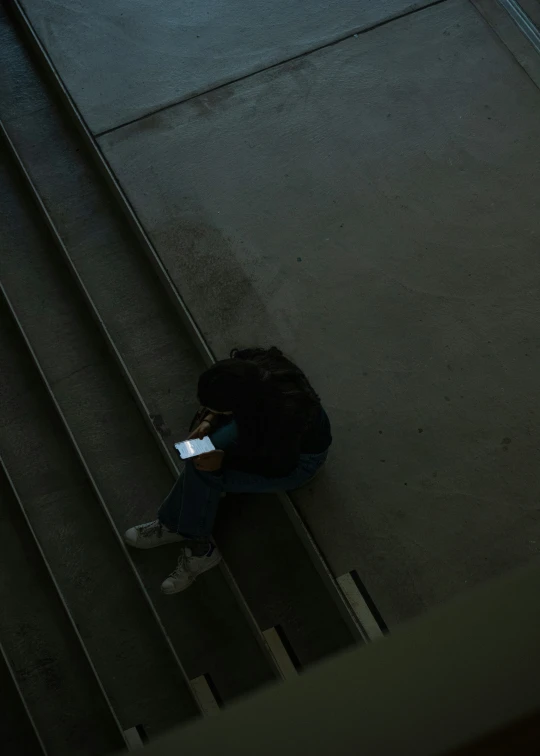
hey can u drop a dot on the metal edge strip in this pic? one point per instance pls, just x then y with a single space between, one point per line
280 652
522 20
207 694
514 37
134 741
362 606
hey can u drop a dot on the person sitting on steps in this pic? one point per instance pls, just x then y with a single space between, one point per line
270 434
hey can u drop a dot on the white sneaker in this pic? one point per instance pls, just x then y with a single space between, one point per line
150 534
188 568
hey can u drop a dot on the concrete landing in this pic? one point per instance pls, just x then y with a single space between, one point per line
373 208
125 58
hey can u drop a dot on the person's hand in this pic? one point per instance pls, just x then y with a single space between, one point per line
209 462
202 430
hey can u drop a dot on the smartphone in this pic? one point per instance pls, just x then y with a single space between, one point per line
194 447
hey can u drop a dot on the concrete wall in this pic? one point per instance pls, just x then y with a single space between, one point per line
438 683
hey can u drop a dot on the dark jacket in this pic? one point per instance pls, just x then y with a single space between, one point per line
314 438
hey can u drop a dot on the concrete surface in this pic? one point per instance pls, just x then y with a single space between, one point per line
76 538
532 9
503 25
438 682
16 729
432 686
125 58
165 366
207 627
54 676
373 208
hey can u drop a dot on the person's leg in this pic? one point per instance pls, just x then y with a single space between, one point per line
187 515
191 506
206 488
189 510
235 481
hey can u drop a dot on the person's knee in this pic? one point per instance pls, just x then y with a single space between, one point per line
211 479
225 437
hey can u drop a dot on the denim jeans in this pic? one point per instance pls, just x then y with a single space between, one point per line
191 507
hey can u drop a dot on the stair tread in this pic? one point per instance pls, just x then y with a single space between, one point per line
53 674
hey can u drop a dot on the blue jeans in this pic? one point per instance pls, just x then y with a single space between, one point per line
191 507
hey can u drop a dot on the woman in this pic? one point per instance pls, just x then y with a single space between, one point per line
270 433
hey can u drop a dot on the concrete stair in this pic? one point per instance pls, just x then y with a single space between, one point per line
97 381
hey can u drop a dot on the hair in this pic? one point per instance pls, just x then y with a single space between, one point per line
271 399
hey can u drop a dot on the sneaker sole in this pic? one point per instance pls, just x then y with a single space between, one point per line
153 546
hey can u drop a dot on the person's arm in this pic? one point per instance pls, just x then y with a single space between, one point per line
206 423
278 459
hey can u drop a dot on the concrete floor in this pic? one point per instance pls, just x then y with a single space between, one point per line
372 207
126 58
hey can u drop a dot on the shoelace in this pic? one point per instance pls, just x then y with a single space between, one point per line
183 563
153 528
